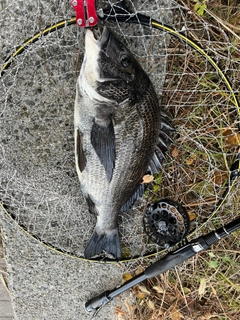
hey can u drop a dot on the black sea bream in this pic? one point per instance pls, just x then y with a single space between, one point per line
120 134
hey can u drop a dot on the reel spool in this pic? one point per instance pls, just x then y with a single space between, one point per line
166 222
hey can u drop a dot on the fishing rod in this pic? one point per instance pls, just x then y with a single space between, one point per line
169 261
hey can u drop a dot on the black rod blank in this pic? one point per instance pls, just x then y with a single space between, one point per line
171 260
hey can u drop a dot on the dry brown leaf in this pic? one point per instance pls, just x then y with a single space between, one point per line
150 305
191 215
176 314
147 178
139 270
231 138
158 289
191 159
202 287
219 177
143 289
175 152
141 295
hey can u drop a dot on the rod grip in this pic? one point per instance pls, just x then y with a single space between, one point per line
168 262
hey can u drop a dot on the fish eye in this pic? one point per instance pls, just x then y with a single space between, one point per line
125 60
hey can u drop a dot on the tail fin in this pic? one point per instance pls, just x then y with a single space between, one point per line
99 242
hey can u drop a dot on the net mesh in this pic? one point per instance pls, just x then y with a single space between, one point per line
39 185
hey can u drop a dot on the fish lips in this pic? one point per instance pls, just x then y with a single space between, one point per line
105 38
102 42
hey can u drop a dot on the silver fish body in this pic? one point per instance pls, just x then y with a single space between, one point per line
117 122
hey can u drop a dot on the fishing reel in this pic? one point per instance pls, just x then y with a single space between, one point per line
166 222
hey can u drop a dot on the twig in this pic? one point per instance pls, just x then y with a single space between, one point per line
225 24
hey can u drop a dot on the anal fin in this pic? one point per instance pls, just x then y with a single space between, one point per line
137 194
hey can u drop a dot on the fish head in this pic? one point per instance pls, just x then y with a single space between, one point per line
111 69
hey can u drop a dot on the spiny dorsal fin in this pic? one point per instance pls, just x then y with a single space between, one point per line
164 142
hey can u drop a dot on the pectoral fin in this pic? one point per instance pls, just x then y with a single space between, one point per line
81 159
103 142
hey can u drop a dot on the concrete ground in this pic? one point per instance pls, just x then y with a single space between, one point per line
38 177
5 297
47 285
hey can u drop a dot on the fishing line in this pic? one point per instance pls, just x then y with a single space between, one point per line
234 171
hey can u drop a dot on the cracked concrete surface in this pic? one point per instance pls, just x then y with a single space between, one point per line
38 178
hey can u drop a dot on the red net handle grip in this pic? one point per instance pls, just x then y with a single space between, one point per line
86 15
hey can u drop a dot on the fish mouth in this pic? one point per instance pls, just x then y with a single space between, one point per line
98 37
105 37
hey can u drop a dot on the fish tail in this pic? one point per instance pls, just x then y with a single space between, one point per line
103 242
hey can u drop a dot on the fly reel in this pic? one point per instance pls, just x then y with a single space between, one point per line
166 222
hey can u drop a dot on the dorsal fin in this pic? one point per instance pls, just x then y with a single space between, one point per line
163 144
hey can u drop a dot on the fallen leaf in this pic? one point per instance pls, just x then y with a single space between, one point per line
147 178
219 177
139 270
191 159
143 289
175 152
192 215
176 314
231 138
186 290
126 252
126 276
150 305
202 287
158 289
141 295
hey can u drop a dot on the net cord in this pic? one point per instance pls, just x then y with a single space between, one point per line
234 171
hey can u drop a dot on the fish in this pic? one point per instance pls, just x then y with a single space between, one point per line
121 133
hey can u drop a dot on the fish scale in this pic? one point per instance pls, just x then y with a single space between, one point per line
117 122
